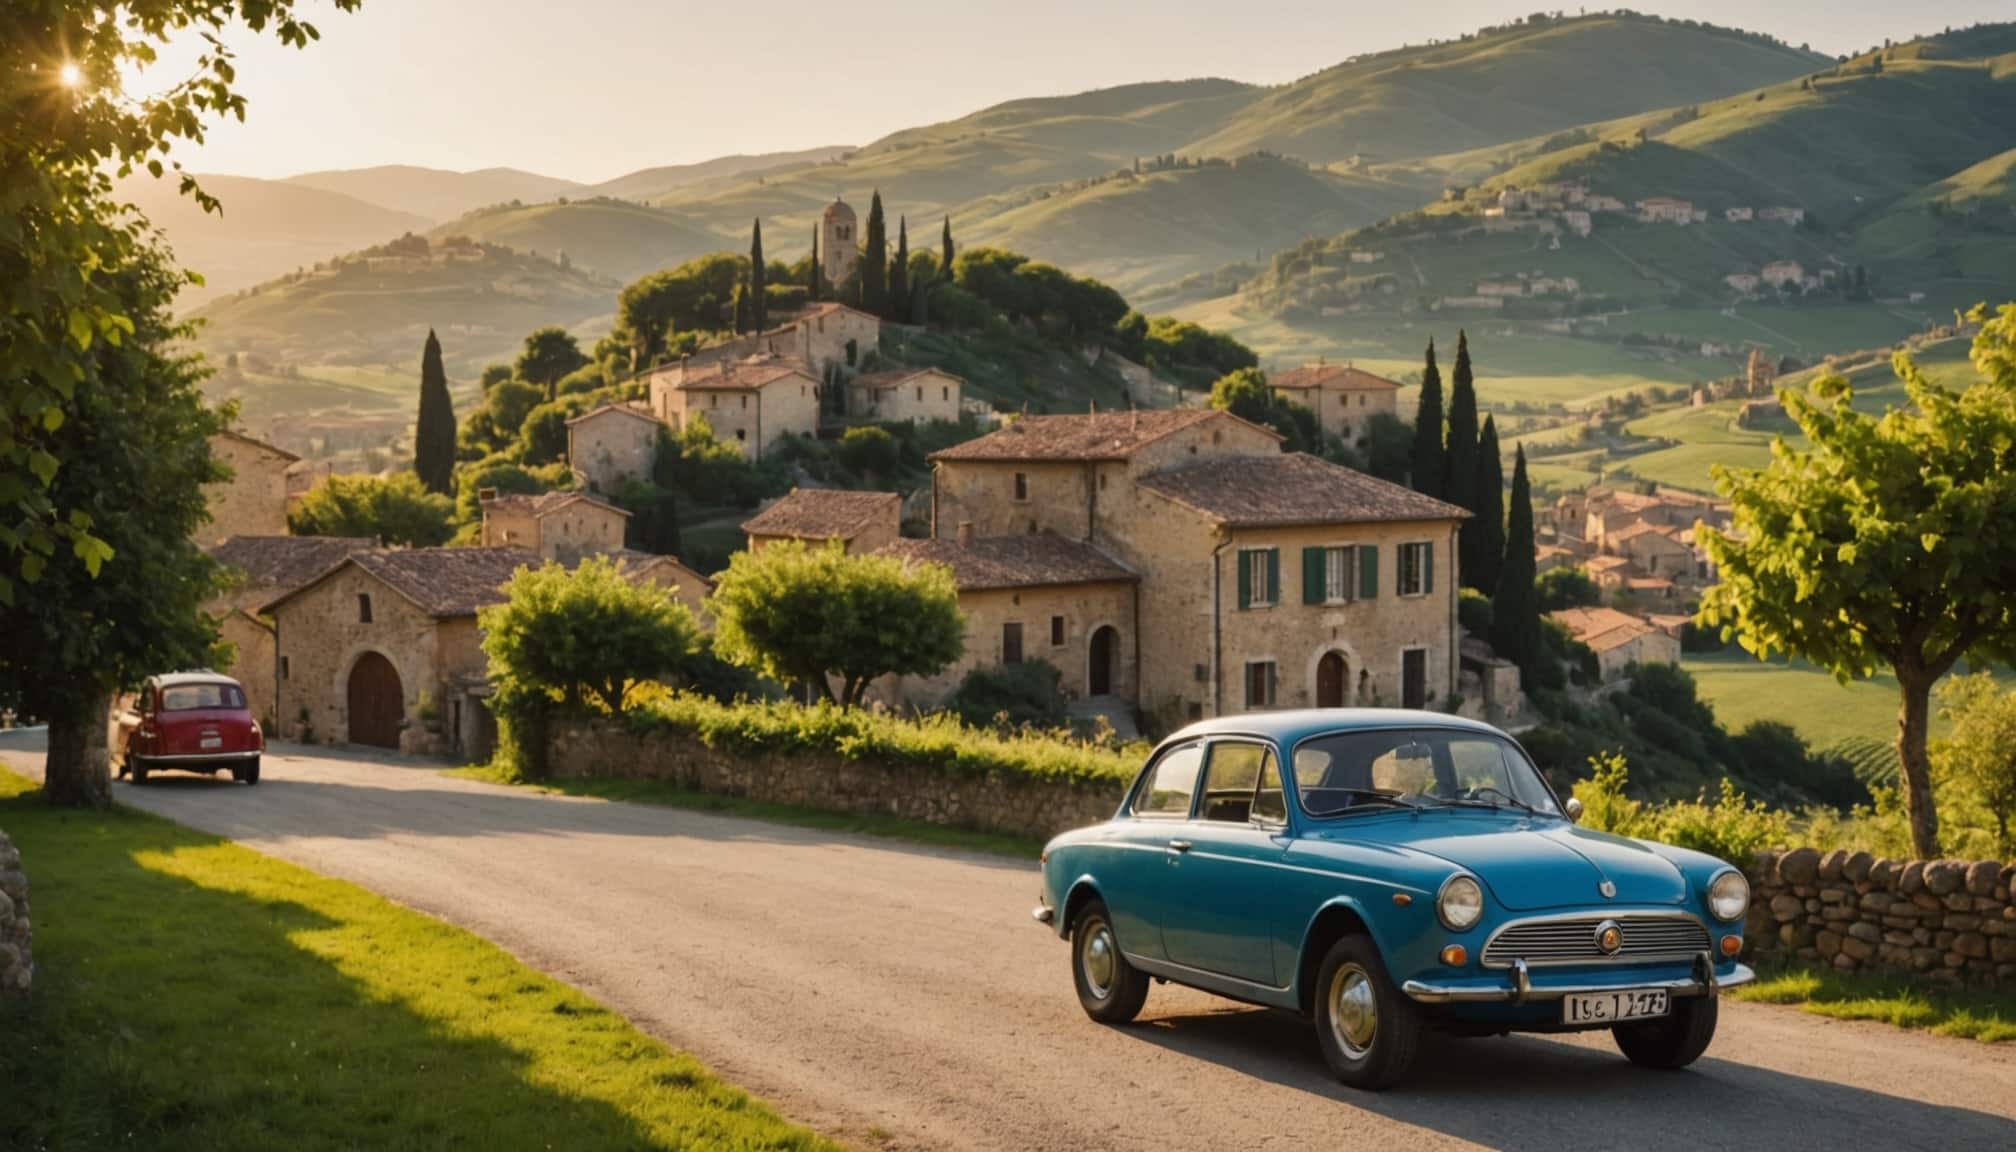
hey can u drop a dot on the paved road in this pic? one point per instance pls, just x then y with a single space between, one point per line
900 997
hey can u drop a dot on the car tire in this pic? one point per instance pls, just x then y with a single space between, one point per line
1109 988
1673 1041
1369 1030
139 766
246 773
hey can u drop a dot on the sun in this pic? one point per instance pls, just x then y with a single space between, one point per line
70 76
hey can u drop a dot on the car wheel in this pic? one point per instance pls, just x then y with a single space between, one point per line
246 773
1673 1041
139 766
1368 1028
1109 988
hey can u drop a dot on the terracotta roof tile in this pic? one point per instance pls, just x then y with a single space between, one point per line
443 582
1602 629
826 514
1091 436
275 449
1028 561
286 561
640 411
1329 376
743 375
1295 488
543 504
883 381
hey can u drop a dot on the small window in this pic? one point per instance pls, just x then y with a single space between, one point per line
1344 429
364 608
1021 486
945 394
1011 642
1259 577
1270 804
1415 577
1166 793
1363 399
1195 710
742 434
1056 631
920 393
1259 684
745 403
283 668
1102 481
713 399
1230 778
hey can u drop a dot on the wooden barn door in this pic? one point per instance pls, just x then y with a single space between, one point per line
1330 680
377 703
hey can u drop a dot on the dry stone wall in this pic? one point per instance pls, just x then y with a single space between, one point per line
1948 920
988 802
17 963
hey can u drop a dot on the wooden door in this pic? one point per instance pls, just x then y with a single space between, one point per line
377 703
1104 641
1330 680
1414 678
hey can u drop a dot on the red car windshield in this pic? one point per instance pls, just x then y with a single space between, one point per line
189 697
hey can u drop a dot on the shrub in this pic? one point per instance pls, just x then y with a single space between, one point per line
1560 588
394 510
1025 695
1473 612
1731 827
585 637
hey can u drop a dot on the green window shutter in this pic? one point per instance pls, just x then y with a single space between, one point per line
1312 575
1245 579
1273 576
1368 571
1428 567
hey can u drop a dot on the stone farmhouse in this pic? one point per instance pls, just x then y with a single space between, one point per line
917 395
1145 552
1344 398
1780 273
1665 210
1619 639
562 526
750 404
254 501
612 446
1633 543
266 567
859 522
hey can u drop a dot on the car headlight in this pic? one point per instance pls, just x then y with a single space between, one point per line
1460 903
1729 895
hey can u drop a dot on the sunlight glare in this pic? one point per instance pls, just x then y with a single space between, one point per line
70 75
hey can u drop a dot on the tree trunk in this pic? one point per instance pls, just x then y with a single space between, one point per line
1915 764
76 771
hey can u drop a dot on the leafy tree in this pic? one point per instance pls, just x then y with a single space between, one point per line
869 451
1889 540
1429 462
899 275
505 475
800 615
394 510
1247 395
585 635
1515 615
1029 694
759 301
549 354
873 268
493 375
812 269
693 297
434 433
740 308
64 290
1459 462
1489 505
1389 447
1560 588
135 441
497 422
542 438
1979 755
945 249
653 506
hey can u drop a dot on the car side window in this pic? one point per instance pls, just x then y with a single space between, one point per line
1170 784
1270 803
1229 781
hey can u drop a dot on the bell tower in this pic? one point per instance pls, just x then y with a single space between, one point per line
839 246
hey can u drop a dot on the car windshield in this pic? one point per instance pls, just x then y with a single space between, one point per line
1426 767
188 697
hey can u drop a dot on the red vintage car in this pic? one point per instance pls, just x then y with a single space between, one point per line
195 721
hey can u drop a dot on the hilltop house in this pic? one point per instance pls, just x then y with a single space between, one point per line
1665 210
1618 638
749 403
919 395
1344 398
1578 221
1780 273
613 445
562 526
254 501
857 521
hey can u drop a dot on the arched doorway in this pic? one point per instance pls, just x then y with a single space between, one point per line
1332 675
1105 646
377 702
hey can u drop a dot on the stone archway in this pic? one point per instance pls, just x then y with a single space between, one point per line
377 702
1103 654
1333 679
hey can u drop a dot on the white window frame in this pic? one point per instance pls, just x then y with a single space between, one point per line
1258 563
1420 570
1344 557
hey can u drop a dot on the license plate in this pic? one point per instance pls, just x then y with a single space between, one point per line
1613 1007
209 743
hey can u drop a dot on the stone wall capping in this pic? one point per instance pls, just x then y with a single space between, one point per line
17 960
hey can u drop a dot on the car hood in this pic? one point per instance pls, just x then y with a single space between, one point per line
1527 863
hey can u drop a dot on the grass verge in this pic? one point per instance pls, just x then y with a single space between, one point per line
670 795
193 994
1969 1013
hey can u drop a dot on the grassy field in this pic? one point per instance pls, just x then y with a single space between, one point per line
1744 689
192 994
1966 1013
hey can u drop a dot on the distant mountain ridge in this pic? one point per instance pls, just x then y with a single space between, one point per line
435 193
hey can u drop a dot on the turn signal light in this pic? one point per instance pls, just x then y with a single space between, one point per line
1454 956
1402 899
1731 945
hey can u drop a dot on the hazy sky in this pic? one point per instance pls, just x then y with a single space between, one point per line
590 89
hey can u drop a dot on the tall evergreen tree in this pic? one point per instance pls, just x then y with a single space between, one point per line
812 276
1459 466
434 434
1490 510
1515 609
1428 464
759 302
874 266
899 275
738 307
945 253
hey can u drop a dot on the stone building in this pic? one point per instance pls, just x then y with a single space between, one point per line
1655 548
688 587
748 403
562 526
1344 398
1208 514
913 394
383 650
860 522
839 246
612 446
254 501
265 568
1619 639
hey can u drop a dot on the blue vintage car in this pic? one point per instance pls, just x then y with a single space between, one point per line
1390 872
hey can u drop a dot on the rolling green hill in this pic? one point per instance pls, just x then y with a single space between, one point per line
435 193
615 238
651 183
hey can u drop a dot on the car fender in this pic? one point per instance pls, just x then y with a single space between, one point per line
1075 894
1343 902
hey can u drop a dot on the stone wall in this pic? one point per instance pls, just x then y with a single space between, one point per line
1949 920
17 964
986 802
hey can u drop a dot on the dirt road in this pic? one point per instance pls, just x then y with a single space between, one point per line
901 997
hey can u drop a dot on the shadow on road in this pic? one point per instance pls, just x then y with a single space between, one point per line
1534 1094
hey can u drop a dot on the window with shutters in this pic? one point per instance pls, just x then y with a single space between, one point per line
1011 642
1056 631
1416 575
1337 573
1259 577
1021 486
1259 684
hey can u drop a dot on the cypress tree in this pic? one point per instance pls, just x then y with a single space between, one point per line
1490 509
875 261
812 277
759 303
1515 615
434 434
945 256
1459 476
899 275
1427 471
738 307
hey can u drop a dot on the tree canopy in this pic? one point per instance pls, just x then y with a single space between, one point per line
434 431
549 355
1247 395
394 510
586 635
693 297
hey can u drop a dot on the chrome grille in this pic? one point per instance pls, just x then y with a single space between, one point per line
1572 940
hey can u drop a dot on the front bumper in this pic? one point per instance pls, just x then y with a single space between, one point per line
1042 914
1520 987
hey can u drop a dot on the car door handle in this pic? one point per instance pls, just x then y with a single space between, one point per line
1179 845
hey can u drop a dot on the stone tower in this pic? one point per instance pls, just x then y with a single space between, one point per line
839 245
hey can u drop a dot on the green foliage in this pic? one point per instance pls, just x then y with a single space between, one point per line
1488 547
498 422
1473 612
1247 395
1515 612
1176 346
1772 752
1978 756
585 637
1069 307
654 518
1730 827
872 272
711 473
898 307
1460 462
1025 695
693 297
549 354
507 476
1559 588
1430 463
1389 449
798 615
759 296
393 510
434 432
869 451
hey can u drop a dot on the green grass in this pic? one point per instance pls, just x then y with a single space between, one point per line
1970 1013
615 238
1743 689
669 795
193 994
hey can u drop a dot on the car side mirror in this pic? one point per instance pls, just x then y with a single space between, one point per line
1574 810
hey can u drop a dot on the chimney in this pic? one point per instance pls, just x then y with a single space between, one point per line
965 533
